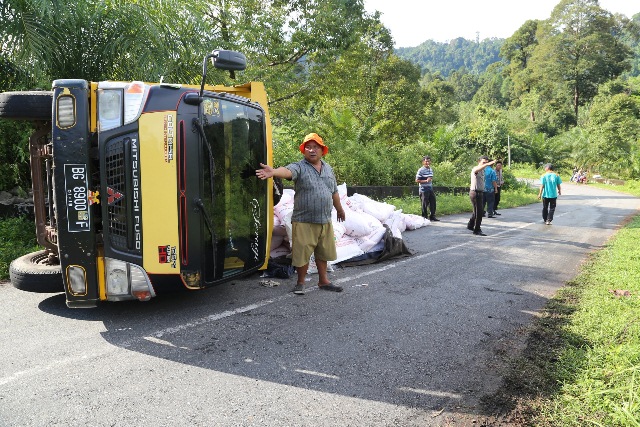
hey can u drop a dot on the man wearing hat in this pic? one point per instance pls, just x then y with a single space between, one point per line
316 192
424 178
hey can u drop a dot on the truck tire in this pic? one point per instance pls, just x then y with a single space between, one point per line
31 105
33 273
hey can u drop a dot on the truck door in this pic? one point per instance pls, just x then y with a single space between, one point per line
233 144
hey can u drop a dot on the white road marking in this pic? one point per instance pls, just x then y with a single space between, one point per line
317 374
431 392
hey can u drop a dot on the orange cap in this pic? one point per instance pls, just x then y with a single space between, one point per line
314 137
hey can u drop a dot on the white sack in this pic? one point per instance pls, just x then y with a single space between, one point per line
358 224
396 220
414 222
281 250
365 243
345 200
276 241
338 229
381 211
280 230
346 248
313 267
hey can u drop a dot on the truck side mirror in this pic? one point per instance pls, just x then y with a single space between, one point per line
226 60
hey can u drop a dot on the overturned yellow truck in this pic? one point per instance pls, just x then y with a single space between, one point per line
142 188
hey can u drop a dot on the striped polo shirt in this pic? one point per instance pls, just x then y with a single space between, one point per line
314 191
424 173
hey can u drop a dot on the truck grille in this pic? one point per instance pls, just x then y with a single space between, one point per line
116 184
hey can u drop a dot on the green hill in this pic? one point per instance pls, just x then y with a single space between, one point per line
457 54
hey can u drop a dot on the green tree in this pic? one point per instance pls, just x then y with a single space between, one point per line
614 126
490 93
440 104
464 83
579 47
517 52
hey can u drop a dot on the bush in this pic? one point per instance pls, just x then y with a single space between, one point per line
17 237
14 155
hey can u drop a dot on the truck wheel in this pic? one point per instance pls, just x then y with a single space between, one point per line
31 105
33 273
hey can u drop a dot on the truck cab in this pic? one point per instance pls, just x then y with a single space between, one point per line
142 188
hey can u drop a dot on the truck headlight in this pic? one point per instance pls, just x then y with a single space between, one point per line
126 281
109 108
120 103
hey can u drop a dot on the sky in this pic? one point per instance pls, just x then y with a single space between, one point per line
412 22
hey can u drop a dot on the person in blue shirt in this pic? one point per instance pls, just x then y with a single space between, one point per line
549 192
424 177
490 187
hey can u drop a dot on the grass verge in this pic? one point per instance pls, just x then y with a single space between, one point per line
448 204
581 366
17 237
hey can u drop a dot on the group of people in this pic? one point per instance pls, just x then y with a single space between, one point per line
316 193
484 191
579 176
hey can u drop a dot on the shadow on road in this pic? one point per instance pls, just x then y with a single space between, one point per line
409 343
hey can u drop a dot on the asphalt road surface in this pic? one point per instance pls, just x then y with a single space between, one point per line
413 341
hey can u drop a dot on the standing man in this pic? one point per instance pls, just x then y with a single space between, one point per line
499 182
549 191
475 194
490 187
316 192
424 177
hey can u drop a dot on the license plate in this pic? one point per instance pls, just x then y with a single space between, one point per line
77 189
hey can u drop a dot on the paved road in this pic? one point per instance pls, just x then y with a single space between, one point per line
414 341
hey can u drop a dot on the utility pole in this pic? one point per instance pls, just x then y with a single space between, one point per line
509 150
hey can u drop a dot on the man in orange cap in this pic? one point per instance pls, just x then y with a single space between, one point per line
316 192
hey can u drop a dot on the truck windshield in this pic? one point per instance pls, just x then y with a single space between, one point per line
233 198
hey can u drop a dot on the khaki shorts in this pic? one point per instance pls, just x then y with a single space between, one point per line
310 238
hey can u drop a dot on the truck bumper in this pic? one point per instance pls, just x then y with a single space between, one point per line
73 195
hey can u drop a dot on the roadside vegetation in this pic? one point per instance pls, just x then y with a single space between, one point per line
581 366
17 237
449 204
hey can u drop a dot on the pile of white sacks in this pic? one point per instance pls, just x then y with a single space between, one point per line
361 232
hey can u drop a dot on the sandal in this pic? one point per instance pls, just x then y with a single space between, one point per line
299 289
330 287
